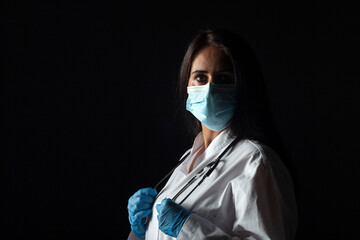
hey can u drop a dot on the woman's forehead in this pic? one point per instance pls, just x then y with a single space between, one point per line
211 57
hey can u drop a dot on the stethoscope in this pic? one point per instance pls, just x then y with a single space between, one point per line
211 167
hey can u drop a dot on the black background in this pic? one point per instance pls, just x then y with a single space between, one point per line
89 93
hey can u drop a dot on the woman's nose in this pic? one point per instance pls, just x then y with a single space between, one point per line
211 78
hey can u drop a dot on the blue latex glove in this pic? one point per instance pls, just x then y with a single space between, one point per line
171 217
139 207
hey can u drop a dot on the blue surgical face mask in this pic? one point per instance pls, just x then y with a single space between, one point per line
212 104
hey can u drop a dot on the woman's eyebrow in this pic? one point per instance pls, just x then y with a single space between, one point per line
199 71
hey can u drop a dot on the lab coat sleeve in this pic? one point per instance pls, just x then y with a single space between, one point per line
259 210
260 207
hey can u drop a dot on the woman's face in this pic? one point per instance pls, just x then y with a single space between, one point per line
211 65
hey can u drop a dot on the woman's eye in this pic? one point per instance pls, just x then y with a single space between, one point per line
201 78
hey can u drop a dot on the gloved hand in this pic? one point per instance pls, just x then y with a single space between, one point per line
139 207
171 217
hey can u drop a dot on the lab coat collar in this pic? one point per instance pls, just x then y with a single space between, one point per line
221 141
211 152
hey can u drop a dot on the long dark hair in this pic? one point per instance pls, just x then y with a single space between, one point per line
252 119
248 121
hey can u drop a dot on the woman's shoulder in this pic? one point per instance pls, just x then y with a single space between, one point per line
252 154
257 155
254 148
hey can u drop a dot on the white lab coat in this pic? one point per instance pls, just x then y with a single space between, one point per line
248 196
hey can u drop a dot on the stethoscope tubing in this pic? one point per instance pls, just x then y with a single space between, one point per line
212 166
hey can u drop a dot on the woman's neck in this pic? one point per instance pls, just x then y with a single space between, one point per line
208 135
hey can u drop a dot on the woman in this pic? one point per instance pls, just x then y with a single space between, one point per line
230 185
